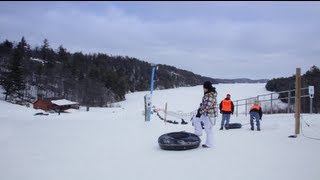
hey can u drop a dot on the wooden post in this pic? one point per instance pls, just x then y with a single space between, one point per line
298 100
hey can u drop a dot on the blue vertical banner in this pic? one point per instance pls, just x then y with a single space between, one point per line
149 98
152 77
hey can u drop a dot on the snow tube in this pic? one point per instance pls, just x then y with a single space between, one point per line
234 125
177 141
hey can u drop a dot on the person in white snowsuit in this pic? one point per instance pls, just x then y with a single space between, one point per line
205 114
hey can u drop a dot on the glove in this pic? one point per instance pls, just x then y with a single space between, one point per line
198 114
202 125
220 112
260 119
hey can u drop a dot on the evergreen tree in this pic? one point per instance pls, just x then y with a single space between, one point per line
17 73
13 80
22 48
45 50
47 53
6 83
6 47
62 54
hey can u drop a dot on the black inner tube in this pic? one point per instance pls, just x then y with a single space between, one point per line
179 141
178 135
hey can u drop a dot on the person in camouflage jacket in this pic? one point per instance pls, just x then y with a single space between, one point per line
205 112
207 104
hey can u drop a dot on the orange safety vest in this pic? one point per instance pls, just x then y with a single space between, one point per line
226 105
257 107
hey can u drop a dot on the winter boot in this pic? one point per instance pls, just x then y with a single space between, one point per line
252 128
205 146
183 121
221 128
258 128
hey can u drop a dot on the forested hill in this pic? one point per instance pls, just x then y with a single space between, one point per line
92 79
310 78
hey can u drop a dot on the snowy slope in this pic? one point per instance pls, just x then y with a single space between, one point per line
116 143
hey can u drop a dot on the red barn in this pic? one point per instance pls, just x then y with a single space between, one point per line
54 104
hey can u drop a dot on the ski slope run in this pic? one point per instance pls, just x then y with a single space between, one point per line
117 144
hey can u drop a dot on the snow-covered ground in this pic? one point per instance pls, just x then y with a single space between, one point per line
116 143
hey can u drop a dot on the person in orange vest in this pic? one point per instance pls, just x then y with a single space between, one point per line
226 108
255 113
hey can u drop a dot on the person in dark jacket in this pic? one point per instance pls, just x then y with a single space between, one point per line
226 108
255 113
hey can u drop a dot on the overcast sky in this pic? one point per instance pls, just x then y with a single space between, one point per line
216 39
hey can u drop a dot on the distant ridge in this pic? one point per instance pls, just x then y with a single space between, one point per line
241 80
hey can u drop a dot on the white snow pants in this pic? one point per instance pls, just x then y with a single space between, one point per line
207 127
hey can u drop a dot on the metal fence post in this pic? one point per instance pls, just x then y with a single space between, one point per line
271 104
237 109
298 100
246 108
310 104
149 98
289 101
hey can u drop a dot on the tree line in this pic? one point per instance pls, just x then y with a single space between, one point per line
94 79
310 78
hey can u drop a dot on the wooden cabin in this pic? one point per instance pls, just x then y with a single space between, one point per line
56 104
